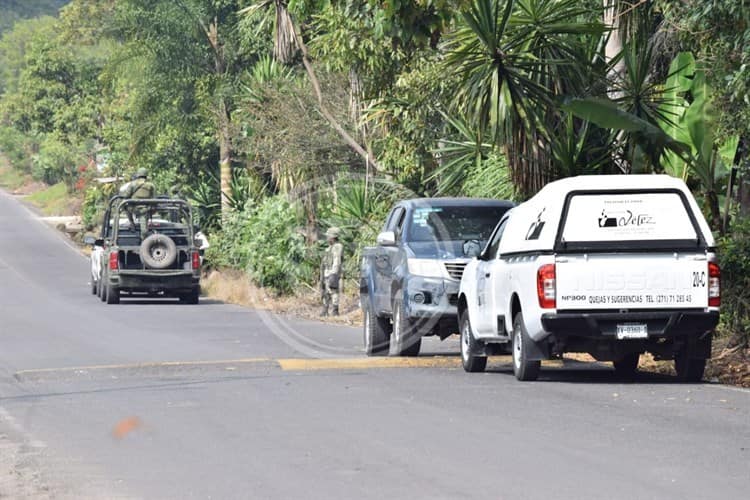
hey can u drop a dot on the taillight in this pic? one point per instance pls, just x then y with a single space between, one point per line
714 285
545 286
196 258
113 264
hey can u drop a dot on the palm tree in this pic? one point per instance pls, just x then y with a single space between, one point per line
514 58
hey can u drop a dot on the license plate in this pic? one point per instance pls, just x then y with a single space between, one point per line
632 331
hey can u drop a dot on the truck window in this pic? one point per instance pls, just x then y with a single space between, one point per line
400 222
393 219
494 243
454 223
637 219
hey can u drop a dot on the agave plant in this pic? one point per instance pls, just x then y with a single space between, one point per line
514 58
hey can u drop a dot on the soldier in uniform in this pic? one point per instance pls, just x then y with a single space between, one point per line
141 189
330 272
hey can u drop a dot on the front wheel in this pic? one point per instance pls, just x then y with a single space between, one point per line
376 333
471 362
523 368
93 284
406 338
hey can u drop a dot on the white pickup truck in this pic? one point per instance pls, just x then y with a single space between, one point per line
610 265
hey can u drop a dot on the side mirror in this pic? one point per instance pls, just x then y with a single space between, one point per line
99 242
387 239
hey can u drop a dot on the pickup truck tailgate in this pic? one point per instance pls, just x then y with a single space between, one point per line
631 281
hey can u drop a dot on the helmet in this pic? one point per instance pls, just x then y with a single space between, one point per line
141 172
333 232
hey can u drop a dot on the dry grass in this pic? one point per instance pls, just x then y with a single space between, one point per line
727 365
235 287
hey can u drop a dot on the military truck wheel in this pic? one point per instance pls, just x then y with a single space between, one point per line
471 362
377 338
191 297
627 366
158 251
101 289
406 339
93 285
113 294
688 369
523 368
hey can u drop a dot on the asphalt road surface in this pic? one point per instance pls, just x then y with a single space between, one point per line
162 400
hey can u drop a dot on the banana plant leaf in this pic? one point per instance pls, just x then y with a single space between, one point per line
606 114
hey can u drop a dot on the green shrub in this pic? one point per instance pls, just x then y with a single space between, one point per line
264 241
16 146
734 251
56 162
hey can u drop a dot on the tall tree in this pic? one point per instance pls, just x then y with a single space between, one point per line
192 48
514 58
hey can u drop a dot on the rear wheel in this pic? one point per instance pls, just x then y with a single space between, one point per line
523 368
113 294
191 297
376 333
627 366
688 369
469 359
406 338
102 289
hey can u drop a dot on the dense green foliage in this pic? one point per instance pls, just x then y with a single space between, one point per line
280 118
735 262
263 240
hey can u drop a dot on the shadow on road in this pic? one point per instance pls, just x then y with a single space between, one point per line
160 301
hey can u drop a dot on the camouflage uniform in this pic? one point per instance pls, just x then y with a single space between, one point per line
331 272
139 189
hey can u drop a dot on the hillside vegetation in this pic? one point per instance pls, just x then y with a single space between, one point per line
15 10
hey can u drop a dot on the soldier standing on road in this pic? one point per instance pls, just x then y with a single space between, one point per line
330 282
140 189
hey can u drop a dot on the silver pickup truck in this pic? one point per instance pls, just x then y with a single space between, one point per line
409 282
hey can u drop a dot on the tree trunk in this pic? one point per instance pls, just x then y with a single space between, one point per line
225 159
614 45
743 193
321 103
355 111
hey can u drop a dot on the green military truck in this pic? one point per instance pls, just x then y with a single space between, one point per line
146 248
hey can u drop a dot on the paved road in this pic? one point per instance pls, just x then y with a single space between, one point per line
161 400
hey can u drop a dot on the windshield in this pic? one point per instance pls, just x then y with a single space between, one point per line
430 224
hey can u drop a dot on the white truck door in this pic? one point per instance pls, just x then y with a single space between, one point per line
490 280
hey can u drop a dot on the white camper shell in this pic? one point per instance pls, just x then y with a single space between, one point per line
611 265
